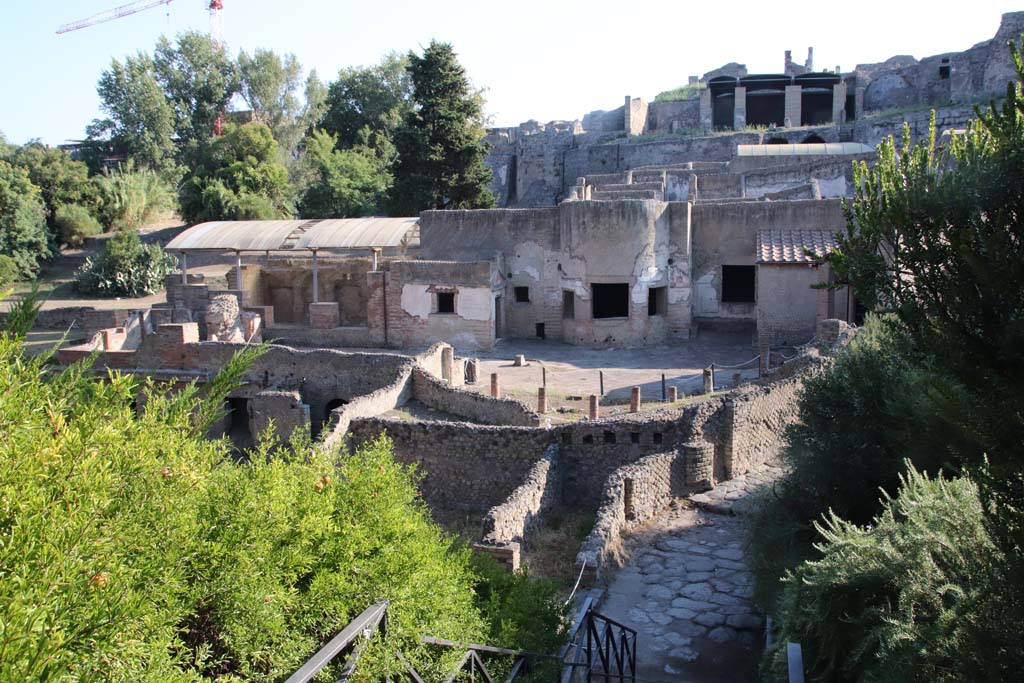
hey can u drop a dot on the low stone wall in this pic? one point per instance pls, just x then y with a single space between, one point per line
368 405
440 395
540 492
463 465
633 494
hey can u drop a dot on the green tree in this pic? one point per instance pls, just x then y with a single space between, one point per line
374 99
198 81
270 85
238 177
341 183
61 180
440 142
140 123
23 235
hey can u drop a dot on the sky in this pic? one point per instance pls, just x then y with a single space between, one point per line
542 60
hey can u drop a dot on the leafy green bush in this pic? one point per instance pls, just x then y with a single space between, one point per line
125 267
132 198
60 179
341 183
901 599
74 223
9 271
683 92
23 235
135 550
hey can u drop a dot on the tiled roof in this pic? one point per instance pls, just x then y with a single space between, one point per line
787 246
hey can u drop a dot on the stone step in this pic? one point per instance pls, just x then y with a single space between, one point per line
621 187
634 194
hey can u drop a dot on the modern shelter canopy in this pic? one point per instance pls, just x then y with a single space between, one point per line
809 149
299 235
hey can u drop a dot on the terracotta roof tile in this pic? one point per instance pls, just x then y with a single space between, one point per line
787 246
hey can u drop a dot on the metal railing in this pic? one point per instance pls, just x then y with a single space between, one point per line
598 647
352 639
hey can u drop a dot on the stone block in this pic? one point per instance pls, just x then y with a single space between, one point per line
506 553
324 315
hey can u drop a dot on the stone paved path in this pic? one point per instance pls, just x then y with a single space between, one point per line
688 592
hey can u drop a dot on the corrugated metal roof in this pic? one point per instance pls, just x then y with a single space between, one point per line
811 149
787 246
305 235
356 233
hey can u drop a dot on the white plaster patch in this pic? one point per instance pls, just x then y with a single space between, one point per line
465 340
643 282
474 303
832 187
577 287
527 256
679 294
416 300
707 296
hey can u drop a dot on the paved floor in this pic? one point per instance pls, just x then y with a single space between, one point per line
688 592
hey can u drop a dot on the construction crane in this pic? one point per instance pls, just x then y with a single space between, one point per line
116 13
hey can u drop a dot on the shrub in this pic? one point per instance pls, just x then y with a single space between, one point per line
126 267
9 271
683 92
132 198
901 599
23 235
74 223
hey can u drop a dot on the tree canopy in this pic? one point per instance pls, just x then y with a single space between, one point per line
23 235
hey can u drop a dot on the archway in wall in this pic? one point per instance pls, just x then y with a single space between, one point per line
815 107
813 139
723 102
766 108
325 423
236 423
776 141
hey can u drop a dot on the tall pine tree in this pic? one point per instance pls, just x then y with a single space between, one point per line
440 142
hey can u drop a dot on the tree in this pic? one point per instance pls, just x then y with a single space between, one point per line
374 98
440 141
23 235
62 181
140 123
341 183
198 81
269 85
238 177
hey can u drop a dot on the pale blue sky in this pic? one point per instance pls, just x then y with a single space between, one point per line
542 60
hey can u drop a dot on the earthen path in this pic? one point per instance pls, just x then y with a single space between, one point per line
688 591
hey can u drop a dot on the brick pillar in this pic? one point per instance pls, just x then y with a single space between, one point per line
634 400
699 463
737 377
447 361
542 400
627 498
706 116
595 407
765 359
495 386
709 380
794 104
839 103
739 114
673 394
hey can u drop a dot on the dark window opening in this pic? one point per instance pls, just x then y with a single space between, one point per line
738 284
944 71
723 110
634 437
522 295
815 108
568 305
446 302
851 107
657 301
766 107
609 437
588 439
611 300
539 327
656 438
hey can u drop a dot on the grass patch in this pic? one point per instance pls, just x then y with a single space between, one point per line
691 91
551 549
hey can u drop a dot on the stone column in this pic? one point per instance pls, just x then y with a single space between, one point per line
839 103
739 114
699 463
634 400
542 400
765 359
447 361
495 386
794 104
673 394
595 407
709 380
706 115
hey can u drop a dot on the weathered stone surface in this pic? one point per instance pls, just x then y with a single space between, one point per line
722 634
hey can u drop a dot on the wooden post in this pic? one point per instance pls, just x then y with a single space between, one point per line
595 407
544 376
664 394
634 400
495 386
600 377
542 400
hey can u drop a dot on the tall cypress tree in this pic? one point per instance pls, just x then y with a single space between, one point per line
440 142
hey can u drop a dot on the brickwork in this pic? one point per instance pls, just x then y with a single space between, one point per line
519 513
284 408
471 405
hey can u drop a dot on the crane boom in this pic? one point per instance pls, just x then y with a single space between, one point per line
111 14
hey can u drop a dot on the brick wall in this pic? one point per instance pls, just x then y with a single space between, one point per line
438 394
539 493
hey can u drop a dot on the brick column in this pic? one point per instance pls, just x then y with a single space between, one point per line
673 394
839 103
634 400
495 386
699 463
542 400
739 114
595 407
447 361
794 104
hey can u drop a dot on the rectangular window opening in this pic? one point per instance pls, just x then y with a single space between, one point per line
539 327
944 71
656 438
657 301
609 437
610 300
522 295
446 302
634 437
738 284
568 305
588 439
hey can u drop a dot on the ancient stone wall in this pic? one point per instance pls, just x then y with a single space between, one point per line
673 117
471 405
519 513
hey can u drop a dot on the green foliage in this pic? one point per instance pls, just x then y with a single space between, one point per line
9 271
60 179
440 141
22 313
239 177
341 183
523 612
125 267
140 124
132 198
902 599
74 223
23 234
162 561
368 100
690 91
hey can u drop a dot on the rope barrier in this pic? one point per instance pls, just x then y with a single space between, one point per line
716 366
578 579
